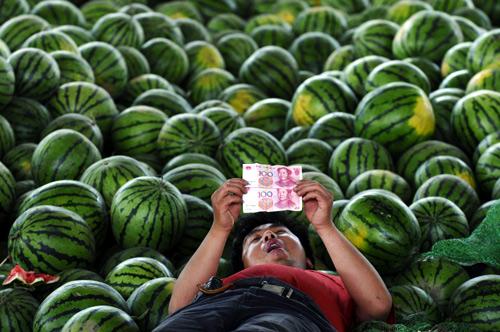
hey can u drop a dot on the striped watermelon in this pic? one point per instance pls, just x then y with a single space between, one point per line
64 277
188 133
458 79
410 302
37 73
428 34
94 10
17 310
450 7
320 95
203 55
487 79
22 187
383 228
59 13
71 298
402 10
102 318
133 252
133 272
110 174
51 239
453 188
143 83
19 28
209 84
455 58
311 50
63 155
265 20
322 18
289 10
249 145
51 41
86 99
326 182
475 15
272 35
195 179
119 29
109 66
444 165
485 143
476 302
18 161
7 138
137 64
190 158
148 211
241 96
78 34
273 70
374 38
235 49
225 119
164 100
269 115
77 122
397 71
333 128
412 158
469 29
356 73
4 50
211 103
340 58
397 115
157 25
430 69
7 82
475 116
380 179
355 156
179 9
482 211
13 8
150 302
439 218
7 193
73 68
224 23
487 168
135 8
192 30
310 151
454 92
483 54
442 107
211 8
158 50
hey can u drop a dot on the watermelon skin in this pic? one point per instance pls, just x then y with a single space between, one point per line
133 272
103 317
148 211
397 115
430 69
249 145
269 115
485 143
133 252
324 19
17 310
167 101
73 68
375 38
312 49
439 219
474 117
455 58
320 95
272 35
7 82
444 165
427 34
156 25
137 64
386 233
235 49
192 30
64 277
203 55
188 133
157 50
469 29
486 79
86 99
143 83
190 158
487 170
223 23
13 8
397 71
7 138
51 239
75 196
78 34
401 11
63 155
273 70
16 30
176 10
37 73
310 151
326 182
71 298
241 97
458 79
483 53
225 119
380 179
411 301
355 156
442 107
265 19
209 84
18 161
340 58
356 73
119 29
150 301
51 41
93 11
7 193
59 13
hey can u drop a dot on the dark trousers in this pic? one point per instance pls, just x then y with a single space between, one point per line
248 309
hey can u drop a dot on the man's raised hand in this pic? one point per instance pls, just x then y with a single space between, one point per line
226 203
317 203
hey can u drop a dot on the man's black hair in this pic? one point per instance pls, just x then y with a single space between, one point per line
247 223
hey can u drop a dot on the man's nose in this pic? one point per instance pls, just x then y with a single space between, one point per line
268 235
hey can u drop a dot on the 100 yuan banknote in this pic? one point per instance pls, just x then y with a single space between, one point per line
272 176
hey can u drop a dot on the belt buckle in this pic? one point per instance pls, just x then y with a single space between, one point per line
279 290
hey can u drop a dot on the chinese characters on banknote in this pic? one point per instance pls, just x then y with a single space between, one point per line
271 188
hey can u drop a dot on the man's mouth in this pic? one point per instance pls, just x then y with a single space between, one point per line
273 244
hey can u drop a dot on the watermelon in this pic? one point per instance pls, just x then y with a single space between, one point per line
94 10
444 165
272 35
382 228
453 188
71 298
288 10
269 115
225 119
203 55
487 168
402 10
78 122
397 71
7 192
64 277
51 239
211 8
132 273
137 64
142 84
7 138
410 302
7 82
63 154
326 182
179 9
110 174
51 41
311 50
458 79
442 107
356 73
86 99
148 211
265 20
190 158
249 145
18 161
73 68
226 22
428 34
483 53
333 128
59 13
322 18
156 25
469 29
235 49
17 310
13 8
486 79
19 28
192 30
37 73
482 211
454 92
241 97
476 15
135 8
439 219
102 317
397 115
374 38
78 34
133 252
150 302
271 69
22 187
4 50
340 58
485 143
157 50
209 84
320 95
109 66
310 151
495 194
381 179
430 69
164 100
119 29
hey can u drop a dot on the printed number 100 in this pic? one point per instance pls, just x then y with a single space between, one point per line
263 194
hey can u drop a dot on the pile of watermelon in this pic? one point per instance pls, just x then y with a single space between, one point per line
119 119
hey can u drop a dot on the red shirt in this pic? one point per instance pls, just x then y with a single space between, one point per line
327 291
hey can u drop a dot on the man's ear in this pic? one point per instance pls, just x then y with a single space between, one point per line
309 264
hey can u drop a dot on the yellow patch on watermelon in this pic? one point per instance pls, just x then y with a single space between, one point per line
445 69
26 166
241 101
287 16
209 58
479 78
495 64
467 177
178 15
423 120
301 105
357 235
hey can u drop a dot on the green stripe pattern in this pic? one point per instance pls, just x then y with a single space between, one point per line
311 50
380 179
63 155
203 55
188 133
132 273
64 277
225 119
190 158
486 142
137 64
11 9
355 156
225 22
249 145
469 29
103 317
119 29
209 84
148 211
73 68
7 82
270 34
333 128
59 13
133 252
78 34
413 301
324 19
397 71
17 310
235 49
439 219
18 161
74 196
430 69
483 53
241 96
455 59
71 298
7 192
383 229
356 73
157 25
265 20
488 168
488 79
458 79
340 58
442 107
166 59
402 10
16 30
93 11
166 101
310 151
7 138
326 182
269 115
293 135
51 41
143 83
51 239
374 38
444 165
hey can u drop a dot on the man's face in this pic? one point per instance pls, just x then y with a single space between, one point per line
271 243
282 194
283 173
